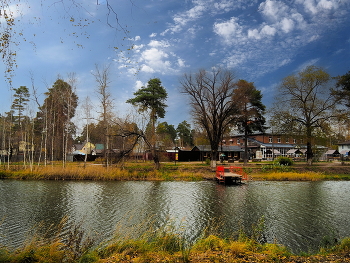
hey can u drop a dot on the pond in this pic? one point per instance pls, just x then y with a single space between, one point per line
296 214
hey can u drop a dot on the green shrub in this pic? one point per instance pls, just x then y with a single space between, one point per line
284 161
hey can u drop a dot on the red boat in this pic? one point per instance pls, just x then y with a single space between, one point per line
230 175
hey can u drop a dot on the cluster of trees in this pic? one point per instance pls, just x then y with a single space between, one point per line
308 103
311 103
48 134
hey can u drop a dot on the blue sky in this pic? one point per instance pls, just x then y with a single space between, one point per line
261 41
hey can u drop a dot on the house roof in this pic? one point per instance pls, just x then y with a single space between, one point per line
270 145
295 151
225 148
332 152
99 146
79 146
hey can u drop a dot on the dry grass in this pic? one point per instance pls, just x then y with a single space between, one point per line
99 172
136 171
290 176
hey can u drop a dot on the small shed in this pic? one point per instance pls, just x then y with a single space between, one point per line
294 153
230 152
332 154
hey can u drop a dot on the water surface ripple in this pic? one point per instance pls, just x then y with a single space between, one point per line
296 214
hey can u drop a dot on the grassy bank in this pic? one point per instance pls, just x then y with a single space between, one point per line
164 245
76 171
171 172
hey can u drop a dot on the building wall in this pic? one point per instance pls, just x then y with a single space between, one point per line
238 140
343 147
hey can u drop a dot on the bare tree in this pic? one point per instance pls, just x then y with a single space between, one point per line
103 80
210 96
86 108
305 103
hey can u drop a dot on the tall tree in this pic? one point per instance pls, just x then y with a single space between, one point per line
151 99
185 133
342 90
167 133
250 111
210 96
59 106
21 100
102 77
305 101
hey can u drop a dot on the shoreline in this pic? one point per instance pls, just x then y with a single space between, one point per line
195 171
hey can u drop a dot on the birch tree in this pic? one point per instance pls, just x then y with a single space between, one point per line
102 77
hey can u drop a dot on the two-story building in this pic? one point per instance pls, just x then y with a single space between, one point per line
267 146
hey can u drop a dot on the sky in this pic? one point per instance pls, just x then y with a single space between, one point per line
260 41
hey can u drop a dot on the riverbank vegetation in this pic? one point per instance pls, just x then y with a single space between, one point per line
185 171
166 244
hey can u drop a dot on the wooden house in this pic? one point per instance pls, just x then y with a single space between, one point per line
344 148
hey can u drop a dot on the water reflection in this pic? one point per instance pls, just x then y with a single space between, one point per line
297 214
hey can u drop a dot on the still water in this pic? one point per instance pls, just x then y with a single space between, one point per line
297 214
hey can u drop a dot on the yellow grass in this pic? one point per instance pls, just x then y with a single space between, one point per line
98 172
290 176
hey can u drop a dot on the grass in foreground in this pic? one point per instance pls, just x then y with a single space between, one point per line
166 244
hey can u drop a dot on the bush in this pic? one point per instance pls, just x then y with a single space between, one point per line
284 161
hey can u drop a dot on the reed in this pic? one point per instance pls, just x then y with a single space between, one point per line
99 172
291 176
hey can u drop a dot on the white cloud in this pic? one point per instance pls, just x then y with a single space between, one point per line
273 10
138 85
229 29
265 31
157 44
183 18
225 5
284 28
153 35
268 30
181 63
315 7
287 25
155 60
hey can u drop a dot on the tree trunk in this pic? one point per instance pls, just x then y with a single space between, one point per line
245 147
214 155
309 153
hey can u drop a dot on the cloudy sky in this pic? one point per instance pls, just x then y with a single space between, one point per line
261 41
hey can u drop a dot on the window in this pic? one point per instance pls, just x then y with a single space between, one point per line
238 141
270 139
278 140
287 140
294 141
